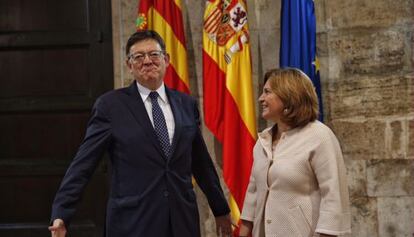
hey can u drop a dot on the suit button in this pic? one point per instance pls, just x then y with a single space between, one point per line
166 193
269 221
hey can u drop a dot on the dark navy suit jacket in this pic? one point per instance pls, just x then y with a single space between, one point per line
150 194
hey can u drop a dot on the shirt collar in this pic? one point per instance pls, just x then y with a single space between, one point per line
144 92
267 133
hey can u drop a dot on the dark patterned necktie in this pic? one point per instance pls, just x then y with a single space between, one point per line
160 125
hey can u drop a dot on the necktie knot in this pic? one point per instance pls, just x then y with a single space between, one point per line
153 95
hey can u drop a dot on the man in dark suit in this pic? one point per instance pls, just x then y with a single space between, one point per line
155 145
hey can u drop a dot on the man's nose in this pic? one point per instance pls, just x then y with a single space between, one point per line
147 59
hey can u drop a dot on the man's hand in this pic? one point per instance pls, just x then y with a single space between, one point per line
246 228
223 226
58 228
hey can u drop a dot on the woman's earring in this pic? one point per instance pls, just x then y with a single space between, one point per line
285 111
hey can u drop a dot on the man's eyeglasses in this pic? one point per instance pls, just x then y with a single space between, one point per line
139 57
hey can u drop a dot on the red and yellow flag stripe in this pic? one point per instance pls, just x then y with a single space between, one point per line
165 17
228 94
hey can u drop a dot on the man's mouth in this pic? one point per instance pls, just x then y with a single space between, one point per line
149 69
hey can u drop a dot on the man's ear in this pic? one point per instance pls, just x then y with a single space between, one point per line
167 59
129 64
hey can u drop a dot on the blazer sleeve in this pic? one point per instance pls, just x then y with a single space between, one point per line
328 165
249 205
205 173
97 137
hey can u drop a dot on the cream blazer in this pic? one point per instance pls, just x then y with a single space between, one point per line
298 188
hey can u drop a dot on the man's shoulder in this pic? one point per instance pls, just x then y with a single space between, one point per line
111 98
113 93
181 95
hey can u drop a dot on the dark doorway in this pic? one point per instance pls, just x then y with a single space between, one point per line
55 59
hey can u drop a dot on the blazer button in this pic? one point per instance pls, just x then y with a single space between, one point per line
166 193
269 221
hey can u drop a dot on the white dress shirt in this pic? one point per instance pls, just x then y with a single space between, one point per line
164 104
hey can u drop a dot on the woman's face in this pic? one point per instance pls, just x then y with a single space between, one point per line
272 105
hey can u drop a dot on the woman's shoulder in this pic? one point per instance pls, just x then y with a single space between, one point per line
318 129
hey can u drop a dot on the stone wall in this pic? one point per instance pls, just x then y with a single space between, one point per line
369 101
365 49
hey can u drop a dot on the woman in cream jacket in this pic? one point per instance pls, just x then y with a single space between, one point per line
298 182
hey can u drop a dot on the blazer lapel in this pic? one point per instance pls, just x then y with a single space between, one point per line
175 103
133 100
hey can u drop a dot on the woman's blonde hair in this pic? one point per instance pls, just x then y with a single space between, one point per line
297 93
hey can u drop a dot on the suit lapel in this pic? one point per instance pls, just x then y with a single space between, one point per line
133 100
176 105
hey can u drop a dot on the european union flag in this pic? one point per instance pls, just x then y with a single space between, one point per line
298 41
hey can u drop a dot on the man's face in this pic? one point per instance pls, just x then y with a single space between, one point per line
147 63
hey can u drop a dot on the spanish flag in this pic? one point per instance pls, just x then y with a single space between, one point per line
229 109
164 16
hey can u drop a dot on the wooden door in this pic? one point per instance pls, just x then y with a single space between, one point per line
55 59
